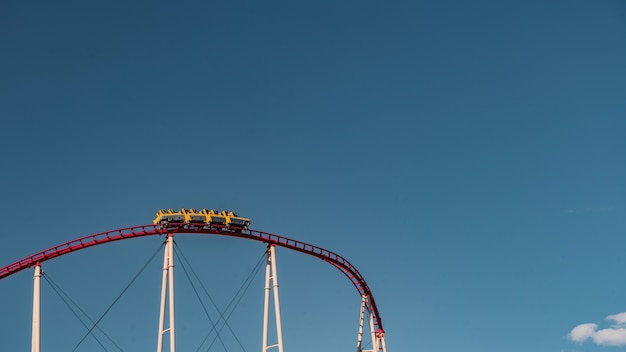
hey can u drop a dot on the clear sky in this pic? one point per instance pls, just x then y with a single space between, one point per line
468 157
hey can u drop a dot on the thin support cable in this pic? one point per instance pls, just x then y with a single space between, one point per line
65 298
245 285
118 298
206 312
239 296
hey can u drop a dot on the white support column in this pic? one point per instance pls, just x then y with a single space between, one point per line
381 341
266 305
279 326
162 305
271 282
378 337
36 342
170 270
374 337
167 284
359 341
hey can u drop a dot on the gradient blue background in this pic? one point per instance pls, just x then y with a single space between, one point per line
467 157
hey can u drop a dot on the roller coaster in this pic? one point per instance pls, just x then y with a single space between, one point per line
210 222
203 217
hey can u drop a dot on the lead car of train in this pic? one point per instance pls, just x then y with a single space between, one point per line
202 217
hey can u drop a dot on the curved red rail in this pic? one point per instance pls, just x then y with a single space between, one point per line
148 230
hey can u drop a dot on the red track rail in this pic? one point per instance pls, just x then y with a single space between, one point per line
148 230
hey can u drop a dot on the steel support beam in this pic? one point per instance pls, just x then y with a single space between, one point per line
271 283
36 335
167 290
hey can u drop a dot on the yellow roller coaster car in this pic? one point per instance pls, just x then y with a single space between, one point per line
213 217
204 216
193 216
169 216
236 221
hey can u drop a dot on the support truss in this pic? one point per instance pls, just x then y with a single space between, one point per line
377 335
369 310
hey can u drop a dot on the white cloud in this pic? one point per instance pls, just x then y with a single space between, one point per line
618 318
582 332
613 336
610 337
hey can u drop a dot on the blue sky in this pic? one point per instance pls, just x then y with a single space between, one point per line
466 157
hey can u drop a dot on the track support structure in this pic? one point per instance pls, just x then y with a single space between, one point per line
370 316
167 290
271 283
36 335
378 336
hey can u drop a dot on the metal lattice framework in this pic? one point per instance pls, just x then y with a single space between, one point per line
149 230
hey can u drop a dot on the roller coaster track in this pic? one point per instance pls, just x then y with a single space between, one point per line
149 230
